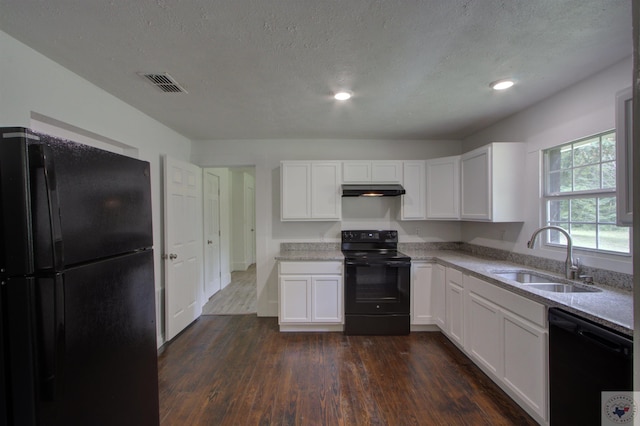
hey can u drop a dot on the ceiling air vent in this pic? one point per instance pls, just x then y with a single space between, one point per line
164 82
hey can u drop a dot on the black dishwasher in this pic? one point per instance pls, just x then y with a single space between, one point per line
585 359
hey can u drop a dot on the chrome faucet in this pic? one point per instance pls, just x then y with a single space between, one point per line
571 269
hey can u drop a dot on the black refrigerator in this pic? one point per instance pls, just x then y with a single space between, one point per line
77 299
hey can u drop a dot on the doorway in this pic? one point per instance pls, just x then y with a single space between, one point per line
237 246
212 234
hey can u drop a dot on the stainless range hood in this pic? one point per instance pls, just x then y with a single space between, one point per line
372 190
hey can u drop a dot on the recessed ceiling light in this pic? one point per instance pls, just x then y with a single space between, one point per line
342 96
501 84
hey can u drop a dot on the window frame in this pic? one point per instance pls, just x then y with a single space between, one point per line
594 194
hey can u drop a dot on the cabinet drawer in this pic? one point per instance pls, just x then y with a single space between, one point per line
329 267
527 309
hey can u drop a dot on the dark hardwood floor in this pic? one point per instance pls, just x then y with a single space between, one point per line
240 370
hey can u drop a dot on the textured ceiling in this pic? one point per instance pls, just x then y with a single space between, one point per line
267 69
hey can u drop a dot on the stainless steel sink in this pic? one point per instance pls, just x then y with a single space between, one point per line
541 282
524 277
563 288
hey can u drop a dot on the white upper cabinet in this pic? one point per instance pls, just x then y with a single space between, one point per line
386 171
624 157
381 171
443 188
295 194
413 206
356 171
326 197
492 179
310 190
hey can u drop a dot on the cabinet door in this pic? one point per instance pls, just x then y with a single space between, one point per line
381 171
326 299
443 188
386 171
295 190
295 298
525 361
421 293
482 332
454 299
413 207
356 171
624 157
326 201
438 309
476 184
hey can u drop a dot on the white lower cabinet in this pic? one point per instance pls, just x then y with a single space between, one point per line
454 302
438 307
295 298
525 362
421 293
310 296
506 335
483 340
326 299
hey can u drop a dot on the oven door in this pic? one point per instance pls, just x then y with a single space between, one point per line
377 287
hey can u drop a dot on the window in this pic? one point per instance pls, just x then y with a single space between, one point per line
580 194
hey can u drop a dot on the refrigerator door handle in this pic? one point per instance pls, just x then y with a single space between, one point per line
40 157
50 332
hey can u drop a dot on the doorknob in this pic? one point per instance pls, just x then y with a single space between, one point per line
209 242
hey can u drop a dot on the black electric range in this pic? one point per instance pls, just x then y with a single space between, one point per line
377 283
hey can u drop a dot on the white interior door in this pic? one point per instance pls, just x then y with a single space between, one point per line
212 263
251 223
182 245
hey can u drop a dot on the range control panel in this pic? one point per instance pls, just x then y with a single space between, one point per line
363 236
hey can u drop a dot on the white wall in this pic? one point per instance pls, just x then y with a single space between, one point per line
34 87
266 155
583 109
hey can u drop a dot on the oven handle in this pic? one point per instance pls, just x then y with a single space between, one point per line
391 263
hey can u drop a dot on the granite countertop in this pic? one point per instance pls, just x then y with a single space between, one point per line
610 307
310 255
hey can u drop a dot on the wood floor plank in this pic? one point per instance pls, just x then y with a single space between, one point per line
240 370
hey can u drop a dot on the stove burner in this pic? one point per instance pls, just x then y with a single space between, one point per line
369 252
375 255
